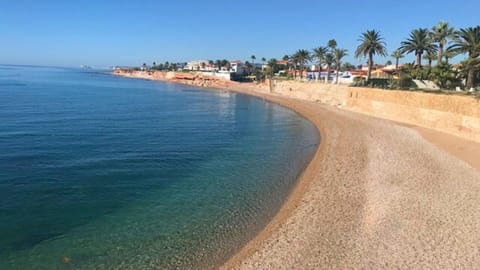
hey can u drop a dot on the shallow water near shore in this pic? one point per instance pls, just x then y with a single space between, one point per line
102 172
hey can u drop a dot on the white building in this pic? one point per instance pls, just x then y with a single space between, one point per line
237 67
198 65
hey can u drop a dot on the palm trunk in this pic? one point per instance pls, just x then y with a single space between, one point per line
338 70
396 64
328 74
419 61
470 79
429 63
301 70
319 70
370 65
440 53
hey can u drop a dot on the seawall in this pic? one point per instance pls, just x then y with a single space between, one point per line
457 115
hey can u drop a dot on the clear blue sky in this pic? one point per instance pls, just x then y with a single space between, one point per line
71 33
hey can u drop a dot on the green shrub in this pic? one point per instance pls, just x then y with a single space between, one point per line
359 81
404 82
379 83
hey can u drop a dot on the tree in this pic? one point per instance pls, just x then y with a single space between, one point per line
338 55
440 34
249 67
320 53
348 66
443 75
332 44
271 69
264 60
397 54
272 66
468 41
418 42
301 57
329 60
430 57
449 53
253 59
371 43
218 63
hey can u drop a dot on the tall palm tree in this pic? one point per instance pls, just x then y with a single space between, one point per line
302 56
418 42
468 41
253 57
440 34
332 44
338 55
397 54
320 53
372 43
329 60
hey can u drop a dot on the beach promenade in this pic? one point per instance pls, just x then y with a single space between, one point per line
376 195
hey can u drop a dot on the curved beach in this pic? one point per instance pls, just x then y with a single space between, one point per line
377 195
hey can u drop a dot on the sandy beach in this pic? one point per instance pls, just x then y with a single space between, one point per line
376 195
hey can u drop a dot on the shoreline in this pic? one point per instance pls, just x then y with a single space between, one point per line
285 233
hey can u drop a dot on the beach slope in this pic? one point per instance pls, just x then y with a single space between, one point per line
377 195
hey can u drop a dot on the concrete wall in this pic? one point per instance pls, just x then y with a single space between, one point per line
458 115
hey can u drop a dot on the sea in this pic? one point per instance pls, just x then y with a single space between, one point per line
105 172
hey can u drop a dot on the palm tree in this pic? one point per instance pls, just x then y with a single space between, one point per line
332 44
329 60
371 43
449 53
418 42
253 59
440 34
430 56
338 55
468 41
302 56
320 53
218 63
249 66
397 54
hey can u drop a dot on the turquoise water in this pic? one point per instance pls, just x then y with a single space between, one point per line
102 172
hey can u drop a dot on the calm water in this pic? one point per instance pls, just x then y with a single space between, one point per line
101 172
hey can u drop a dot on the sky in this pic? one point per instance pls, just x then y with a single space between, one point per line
128 33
